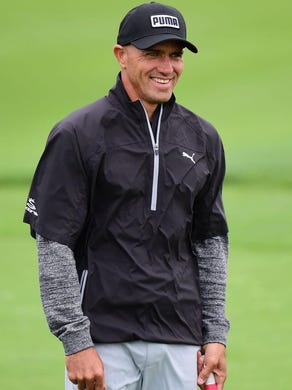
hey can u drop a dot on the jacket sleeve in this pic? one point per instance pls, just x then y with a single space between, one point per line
212 255
61 298
209 214
58 200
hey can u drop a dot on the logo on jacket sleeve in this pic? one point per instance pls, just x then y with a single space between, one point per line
30 207
164 21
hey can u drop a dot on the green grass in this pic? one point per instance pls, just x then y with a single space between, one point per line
30 357
259 290
55 57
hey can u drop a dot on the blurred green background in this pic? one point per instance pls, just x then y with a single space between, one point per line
57 56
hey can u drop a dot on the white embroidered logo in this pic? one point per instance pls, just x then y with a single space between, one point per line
30 207
164 21
184 154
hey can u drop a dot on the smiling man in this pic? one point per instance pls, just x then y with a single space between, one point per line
130 225
150 75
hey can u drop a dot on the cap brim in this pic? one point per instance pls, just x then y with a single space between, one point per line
146 42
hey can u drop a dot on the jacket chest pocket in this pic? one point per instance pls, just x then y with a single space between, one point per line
185 170
125 170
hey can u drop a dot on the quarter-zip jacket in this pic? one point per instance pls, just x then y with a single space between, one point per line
129 197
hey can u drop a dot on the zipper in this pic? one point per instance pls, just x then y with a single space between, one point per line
83 283
155 146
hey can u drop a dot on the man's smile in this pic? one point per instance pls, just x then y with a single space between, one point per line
160 80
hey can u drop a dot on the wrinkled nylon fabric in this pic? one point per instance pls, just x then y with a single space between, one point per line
92 189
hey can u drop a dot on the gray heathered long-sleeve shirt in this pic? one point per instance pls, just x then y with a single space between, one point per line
61 296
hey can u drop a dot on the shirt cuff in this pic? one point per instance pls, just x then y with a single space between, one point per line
76 342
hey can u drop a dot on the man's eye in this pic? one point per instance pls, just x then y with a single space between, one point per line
152 53
177 55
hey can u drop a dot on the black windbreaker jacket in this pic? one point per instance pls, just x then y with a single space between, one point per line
129 202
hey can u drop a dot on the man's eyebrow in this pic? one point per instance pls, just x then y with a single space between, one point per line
151 50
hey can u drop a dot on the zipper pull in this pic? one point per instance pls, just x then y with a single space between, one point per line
156 150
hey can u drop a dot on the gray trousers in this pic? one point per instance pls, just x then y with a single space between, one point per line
139 365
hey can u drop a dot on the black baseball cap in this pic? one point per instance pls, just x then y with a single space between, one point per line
152 23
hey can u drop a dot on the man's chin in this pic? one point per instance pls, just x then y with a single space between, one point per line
162 98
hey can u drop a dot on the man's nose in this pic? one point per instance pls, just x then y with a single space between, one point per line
165 64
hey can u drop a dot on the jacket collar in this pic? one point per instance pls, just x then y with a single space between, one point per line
119 98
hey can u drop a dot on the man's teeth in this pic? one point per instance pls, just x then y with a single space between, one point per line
161 81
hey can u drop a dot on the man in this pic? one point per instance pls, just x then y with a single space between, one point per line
126 204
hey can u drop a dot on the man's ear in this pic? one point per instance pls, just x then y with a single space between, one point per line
120 54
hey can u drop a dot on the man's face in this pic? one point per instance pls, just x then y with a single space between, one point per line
151 75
